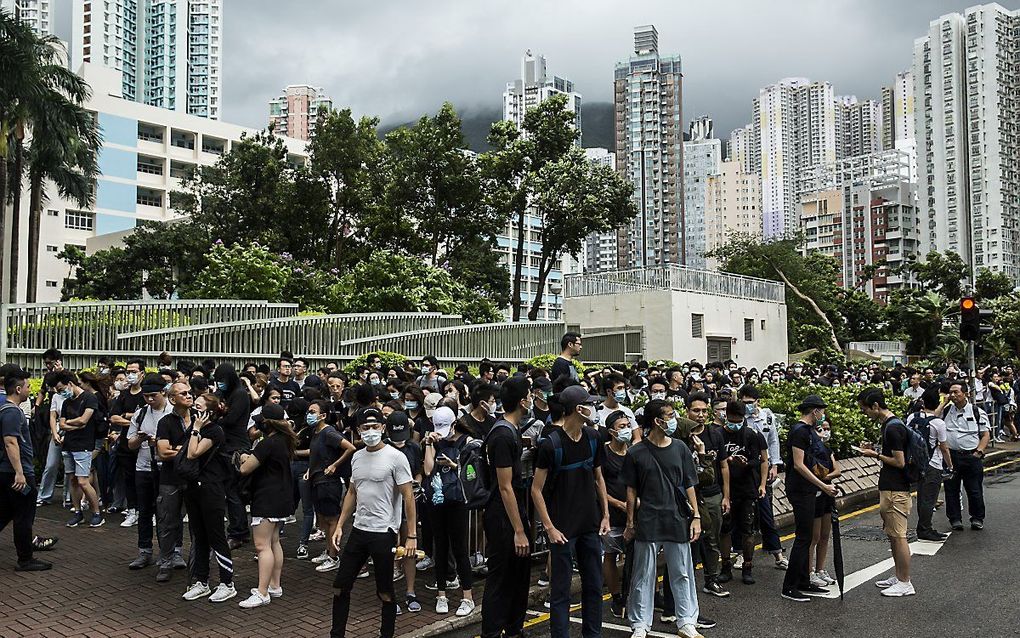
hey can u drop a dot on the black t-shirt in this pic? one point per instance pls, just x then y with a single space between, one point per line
288 390
658 515
413 452
421 423
170 428
213 464
503 449
235 421
799 437
744 450
714 440
325 449
571 495
81 439
126 403
304 441
478 428
562 367
894 438
612 474
272 484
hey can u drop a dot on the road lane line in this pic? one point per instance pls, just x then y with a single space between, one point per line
860 577
627 630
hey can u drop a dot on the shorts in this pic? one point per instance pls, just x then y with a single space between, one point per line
895 510
258 520
327 498
823 505
613 543
77 463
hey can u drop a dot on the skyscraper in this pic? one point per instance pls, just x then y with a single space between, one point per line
898 110
295 111
702 156
732 205
859 124
966 81
167 51
534 87
649 152
600 248
35 13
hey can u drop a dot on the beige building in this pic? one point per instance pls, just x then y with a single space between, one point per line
732 205
296 111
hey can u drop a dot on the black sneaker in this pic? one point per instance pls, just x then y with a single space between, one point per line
705 623
616 606
745 576
813 590
543 580
450 585
795 596
715 589
725 574
412 604
927 535
956 525
977 525
33 565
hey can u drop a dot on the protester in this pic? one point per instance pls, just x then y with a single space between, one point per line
235 413
328 451
827 469
77 421
398 434
748 465
763 421
144 425
620 428
171 436
570 349
933 429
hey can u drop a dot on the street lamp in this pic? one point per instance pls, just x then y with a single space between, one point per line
556 287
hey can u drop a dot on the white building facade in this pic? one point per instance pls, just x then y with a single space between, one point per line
732 206
600 248
702 157
34 13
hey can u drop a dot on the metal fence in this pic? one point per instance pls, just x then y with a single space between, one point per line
673 277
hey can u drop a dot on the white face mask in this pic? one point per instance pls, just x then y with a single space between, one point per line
371 438
658 395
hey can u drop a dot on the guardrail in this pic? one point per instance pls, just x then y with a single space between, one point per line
673 277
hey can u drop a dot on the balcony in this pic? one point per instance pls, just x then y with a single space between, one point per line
149 198
150 170
182 143
213 145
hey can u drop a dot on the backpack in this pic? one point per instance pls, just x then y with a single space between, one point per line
445 485
917 455
556 436
480 484
190 469
922 425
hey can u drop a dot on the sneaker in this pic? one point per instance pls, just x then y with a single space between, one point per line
795 596
328 565
43 543
956 525
543 580
668 616
362 574
450 584
255 600
824 575
465 608
324 556
398 573
425 563
412 604
931 535
275 592
144 560
130 519
817 580
400 611
977 525
738 562
163 575
178 562
290 520
725 574
196 591
616 606
317 535
640 633
442 605
689 631
781 562
899 589
76 520
302 552
235 543
745 575
33 565
223 592
813 590
705 623
97 520
715 589
888 582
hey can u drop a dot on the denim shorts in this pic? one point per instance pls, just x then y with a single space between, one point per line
77 463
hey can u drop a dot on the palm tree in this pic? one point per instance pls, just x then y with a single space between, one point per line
927 313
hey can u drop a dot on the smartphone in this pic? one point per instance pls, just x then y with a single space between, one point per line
856 449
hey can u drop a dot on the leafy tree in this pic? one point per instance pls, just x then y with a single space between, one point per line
473 264
992 285
107 274
919 316
942 273
241 271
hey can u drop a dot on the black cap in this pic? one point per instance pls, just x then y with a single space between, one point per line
574 396
13 371
273 411
152 383
811 402
398 427
370 415
543 384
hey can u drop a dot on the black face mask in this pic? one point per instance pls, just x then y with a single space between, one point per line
541 414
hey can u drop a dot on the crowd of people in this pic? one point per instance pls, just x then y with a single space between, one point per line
605 467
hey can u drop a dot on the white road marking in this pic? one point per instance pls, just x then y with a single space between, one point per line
858 578
627 630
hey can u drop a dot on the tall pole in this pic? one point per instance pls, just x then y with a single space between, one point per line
973 371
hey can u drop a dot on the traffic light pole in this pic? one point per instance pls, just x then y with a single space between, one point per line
973 372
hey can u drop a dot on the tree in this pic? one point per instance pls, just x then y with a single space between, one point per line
240 271
942 273
107 274
919 316
992 285
576 197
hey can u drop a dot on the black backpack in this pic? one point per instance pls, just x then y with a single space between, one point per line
480 484
191 469
917 456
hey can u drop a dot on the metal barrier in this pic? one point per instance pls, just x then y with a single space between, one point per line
673 277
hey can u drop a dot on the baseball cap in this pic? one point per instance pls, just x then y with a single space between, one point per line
574 396
442 420
12 371
370 415
431 401
398 427
272 411
543 384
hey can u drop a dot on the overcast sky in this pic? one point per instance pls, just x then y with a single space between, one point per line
398 59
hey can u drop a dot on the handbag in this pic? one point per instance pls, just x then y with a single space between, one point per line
679 494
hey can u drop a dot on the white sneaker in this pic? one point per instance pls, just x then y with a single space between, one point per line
425 563
290 520
639 633
255 600
888 582
442 605
131 519
689 631
328 565
824 575
223 592
317 535
466 607
196 591
275 592
899 589
738 562
324 556
817 580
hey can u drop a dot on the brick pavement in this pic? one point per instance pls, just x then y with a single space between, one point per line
110 600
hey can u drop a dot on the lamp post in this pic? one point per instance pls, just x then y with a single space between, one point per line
556 287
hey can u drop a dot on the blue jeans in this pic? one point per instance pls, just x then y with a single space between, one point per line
303 491
54 466
589 562
767 524
640 603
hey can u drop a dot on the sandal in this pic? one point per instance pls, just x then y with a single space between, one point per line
41 544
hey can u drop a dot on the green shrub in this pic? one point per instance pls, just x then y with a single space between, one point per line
389 360
545 361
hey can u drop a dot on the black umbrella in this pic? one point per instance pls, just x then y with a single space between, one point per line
837 550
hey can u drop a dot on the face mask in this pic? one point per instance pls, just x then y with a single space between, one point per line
426 369
670 427
501 377
491 409
132 378
546 394
825 435
658 395
166 388
733 427
685 370
590 415
624 435
222 387
120 385
66 393
104 370
642 374
749 409
410 405
377 366
371 438
311 419
394 395
620 396
374 381
822 418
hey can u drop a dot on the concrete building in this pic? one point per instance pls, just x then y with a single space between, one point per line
966 80
146 150
898 110
702 156
742 149
535 86
295 112
860 126
648 97
685 313
35 13
600 248
168 52
732 205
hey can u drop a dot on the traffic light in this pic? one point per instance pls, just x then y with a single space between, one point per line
974 322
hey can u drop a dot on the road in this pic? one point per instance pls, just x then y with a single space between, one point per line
967 588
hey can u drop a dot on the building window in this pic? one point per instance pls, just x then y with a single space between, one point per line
763 325
697 326
52 213
52 249
51 283
79 220
748 329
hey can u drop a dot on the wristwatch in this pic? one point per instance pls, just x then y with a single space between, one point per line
196 433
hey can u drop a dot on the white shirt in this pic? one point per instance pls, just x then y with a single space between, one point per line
376 476
964 427
913 393
605 411
143 462
937 432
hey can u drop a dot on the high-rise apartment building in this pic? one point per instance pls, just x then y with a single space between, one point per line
966 85
743 142
702 156
168 52
295 112
732 205
534 87
648 98
898 110
600 248
34 13
859 124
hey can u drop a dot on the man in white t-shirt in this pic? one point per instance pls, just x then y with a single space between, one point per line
616 394
380 480
928 489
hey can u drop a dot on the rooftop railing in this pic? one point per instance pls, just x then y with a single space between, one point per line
673 277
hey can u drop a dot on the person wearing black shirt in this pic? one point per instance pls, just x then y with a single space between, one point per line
893 488
299 470
283 381
121 411
508 545
709 443
570 345
621 431
171 437
747 461
77 418
236 411
327 453
205 502
398 434
802 486
482 416
272 500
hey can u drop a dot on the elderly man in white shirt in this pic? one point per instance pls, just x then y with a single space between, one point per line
967 434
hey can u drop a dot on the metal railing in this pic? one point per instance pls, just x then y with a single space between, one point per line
673 277
891 347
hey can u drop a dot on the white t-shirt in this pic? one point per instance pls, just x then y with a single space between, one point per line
913 393
375 476
605 411
143 462
937 436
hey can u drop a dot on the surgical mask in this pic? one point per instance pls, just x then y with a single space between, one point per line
658 395
822 418
222 387
371 438
491 409
624 435
590 414
166 388
749 408
132 378
374 381
825 435
394 395
120 385
733 427
104 370
620 396
311 419
410 405
426 369
670 427
66 393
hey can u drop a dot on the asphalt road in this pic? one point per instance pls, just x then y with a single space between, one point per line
969 587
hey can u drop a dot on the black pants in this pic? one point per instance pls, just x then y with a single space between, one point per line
804 523
588 548
450 526
126 475
237 525
505 600
19 509
169 521
971 473
205 503
742 513
146 489
927 495
360 545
